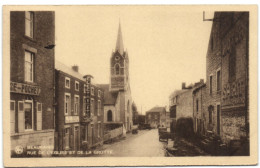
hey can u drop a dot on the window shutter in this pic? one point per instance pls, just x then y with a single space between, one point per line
21 116
39 116
12 116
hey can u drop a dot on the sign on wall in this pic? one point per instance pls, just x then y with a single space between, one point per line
234 93
71 119
24 88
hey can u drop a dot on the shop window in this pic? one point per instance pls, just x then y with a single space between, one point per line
29 66
28 115
29 26
67 82
67 138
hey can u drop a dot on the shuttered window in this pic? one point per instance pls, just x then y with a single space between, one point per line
12 116
20 116
39 116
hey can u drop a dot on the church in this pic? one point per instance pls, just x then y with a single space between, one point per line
117 94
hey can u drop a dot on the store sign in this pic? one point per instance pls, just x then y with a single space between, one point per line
234 93
24 88
71 119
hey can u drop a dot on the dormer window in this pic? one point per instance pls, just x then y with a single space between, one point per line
117 68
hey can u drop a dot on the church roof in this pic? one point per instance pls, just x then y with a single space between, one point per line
109 97
119 42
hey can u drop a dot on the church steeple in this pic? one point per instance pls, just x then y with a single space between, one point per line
119 42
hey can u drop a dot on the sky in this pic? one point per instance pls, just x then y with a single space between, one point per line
166 45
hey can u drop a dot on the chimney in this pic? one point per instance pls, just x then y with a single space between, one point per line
75 68
183 86
201 80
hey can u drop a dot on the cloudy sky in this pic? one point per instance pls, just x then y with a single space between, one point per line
166 46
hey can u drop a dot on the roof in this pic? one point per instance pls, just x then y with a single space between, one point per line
156 109
178 92
68 70
119 42
199 87
109 97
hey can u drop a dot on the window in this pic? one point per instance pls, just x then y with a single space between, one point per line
92 107
218 80
117 69
99 93
84 106
39 116
210 84
67 104
76 104
92 91
67 138
149 116
197 105
28 115
99 129
210 109
155 116
232 65
85 88
99 107
109 115
29 16
76 85
12 116
67 82
29 66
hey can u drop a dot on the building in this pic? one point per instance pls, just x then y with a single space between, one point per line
156 117
32 80
79 110
227 76
199 111
181 103
117 98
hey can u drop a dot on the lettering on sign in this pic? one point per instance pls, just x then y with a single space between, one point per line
24 88
71 119
234 93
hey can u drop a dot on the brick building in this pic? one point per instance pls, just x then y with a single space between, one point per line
227 76
156 117
79 110
32 80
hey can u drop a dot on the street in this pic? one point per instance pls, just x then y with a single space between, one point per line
146 143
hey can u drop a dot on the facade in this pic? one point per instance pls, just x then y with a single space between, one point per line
32 80
199 111
156 117
79 110
117 94
227 75
181 103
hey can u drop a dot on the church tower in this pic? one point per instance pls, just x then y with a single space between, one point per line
119 66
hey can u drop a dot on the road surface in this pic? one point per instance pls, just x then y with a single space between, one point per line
144 144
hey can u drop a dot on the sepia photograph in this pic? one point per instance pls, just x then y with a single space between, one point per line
133 82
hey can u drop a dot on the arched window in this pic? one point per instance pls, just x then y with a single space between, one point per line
109 115
117 68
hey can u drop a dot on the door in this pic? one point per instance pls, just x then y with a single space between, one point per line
76 134
218 119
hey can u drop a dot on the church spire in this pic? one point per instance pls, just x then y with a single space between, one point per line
119 42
